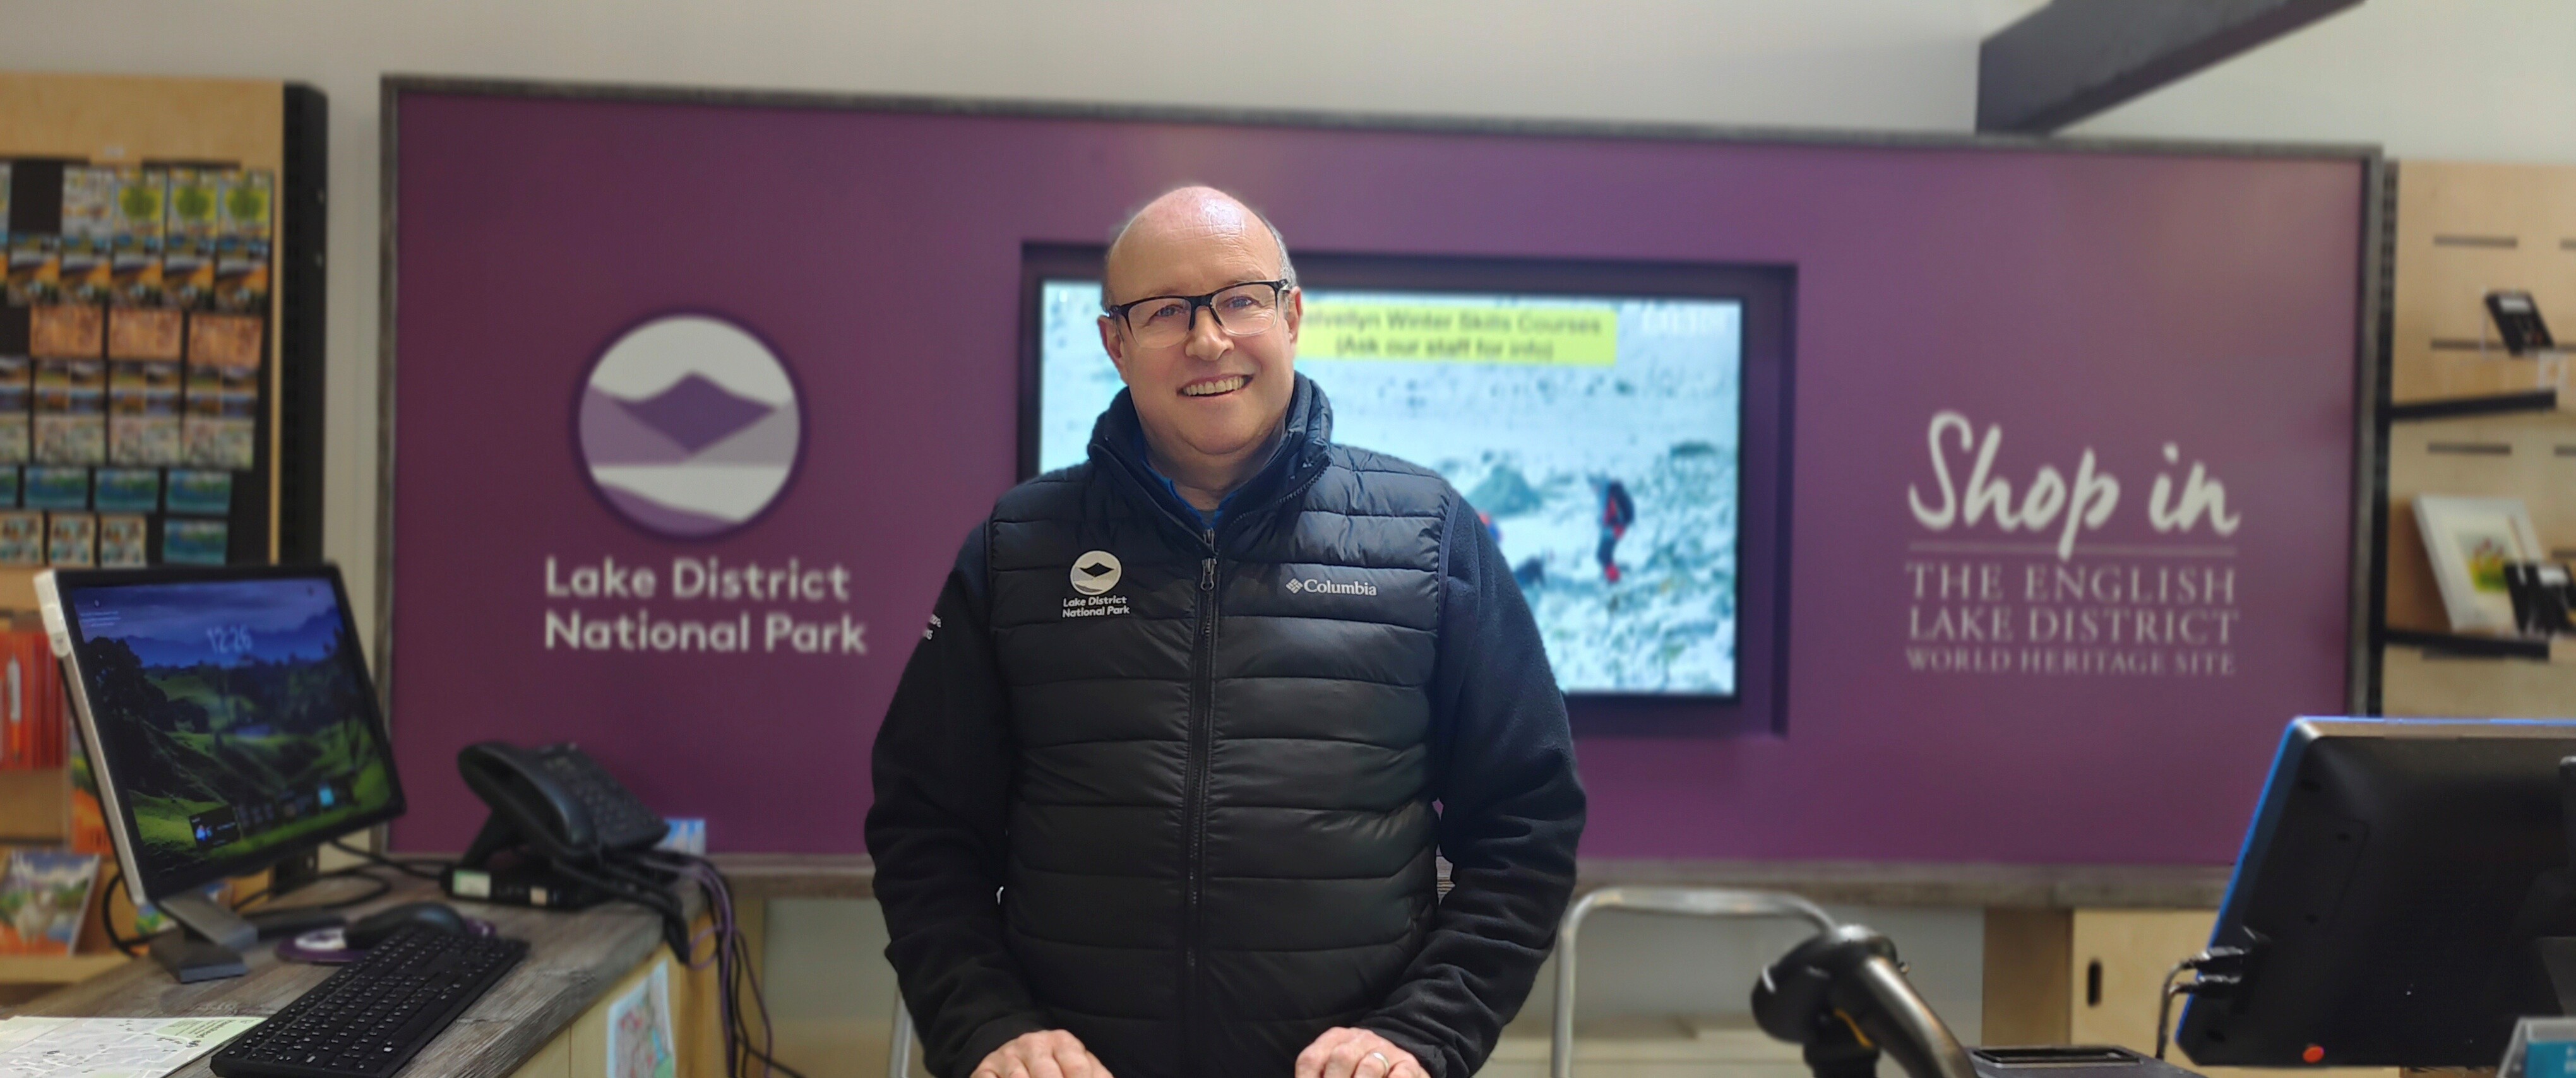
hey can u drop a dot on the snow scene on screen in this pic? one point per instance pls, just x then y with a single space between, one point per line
1610 482
232 718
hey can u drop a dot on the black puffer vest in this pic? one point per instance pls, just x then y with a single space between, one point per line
1221 839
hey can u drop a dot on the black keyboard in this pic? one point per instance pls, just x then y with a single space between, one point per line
372 1016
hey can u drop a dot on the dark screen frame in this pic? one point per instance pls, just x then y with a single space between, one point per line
2390 887
104 768
1767 295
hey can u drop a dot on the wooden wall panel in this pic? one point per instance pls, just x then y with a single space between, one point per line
2462 230
119 120
2029 998
2415 684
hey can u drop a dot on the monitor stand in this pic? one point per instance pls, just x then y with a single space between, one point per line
209 943
294 872
2558 962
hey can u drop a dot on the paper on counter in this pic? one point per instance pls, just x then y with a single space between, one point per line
109 1047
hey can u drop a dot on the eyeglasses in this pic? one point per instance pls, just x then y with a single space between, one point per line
1243 310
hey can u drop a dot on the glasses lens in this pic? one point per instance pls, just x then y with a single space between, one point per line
1246 309
1158 322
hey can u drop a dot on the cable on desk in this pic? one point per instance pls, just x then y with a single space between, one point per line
732 957
639 883
419 868
2215 972
675 928
383 885
116 883
645 878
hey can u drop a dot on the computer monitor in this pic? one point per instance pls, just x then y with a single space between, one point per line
2403 894
229 719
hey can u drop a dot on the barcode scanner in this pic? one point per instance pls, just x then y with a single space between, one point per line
1843 996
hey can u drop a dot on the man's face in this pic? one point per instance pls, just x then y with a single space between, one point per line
1210 397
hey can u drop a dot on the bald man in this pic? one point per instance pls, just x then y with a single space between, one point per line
1161 790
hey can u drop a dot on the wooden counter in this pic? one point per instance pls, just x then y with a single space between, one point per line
574 959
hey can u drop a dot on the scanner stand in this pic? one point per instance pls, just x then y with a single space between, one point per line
209 942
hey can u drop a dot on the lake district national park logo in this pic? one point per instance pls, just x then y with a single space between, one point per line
1096 572
1093 575
689 426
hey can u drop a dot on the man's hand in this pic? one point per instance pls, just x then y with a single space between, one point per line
1356 1053
1051 1053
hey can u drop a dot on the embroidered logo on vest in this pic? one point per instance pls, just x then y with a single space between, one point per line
1093 575
1327 587
1096 572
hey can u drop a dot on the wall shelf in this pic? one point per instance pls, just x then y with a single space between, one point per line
2543 401
2426 684
2460 646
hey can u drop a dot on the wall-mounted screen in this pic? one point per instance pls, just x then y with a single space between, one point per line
1597 434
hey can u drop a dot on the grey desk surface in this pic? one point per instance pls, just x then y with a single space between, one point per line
574 959
1867 883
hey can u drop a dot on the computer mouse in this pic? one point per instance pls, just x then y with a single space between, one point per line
374 927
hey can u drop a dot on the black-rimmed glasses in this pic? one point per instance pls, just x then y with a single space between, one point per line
1242 310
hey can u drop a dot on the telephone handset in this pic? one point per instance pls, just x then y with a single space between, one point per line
556 799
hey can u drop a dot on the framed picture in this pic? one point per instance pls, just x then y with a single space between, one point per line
2471 541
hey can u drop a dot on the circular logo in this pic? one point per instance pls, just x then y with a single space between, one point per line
1095 572
689 426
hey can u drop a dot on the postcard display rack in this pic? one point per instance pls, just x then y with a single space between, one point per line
160 389
2480 442
147 331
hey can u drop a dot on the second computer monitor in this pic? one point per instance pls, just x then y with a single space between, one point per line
2397 892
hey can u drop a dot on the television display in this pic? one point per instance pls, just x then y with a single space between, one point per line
1597 435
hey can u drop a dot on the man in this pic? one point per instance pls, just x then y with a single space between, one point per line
1156 795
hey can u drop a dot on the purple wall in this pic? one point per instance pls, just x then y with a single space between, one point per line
2114 303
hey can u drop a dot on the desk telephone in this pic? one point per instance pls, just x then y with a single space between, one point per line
555 799
578 838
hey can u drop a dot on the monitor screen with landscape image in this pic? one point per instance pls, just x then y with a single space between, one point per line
1597 433
233 719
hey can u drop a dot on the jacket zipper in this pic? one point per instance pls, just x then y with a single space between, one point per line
1202 717
1202 708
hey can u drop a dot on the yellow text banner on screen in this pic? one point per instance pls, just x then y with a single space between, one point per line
1461 333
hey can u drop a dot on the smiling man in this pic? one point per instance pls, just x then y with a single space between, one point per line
1161 789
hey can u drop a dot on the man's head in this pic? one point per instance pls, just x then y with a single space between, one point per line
1210 379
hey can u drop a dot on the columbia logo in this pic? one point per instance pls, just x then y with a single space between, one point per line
1327 587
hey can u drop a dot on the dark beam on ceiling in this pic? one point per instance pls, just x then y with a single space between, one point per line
2074 58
